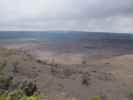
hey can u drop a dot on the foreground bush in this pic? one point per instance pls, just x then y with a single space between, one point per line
130 95
95 98
24 91
99 98
18 95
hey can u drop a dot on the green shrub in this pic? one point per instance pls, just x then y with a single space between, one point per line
34 97
2 66
99 98
95 98
5 82
15 95
18 94
130 95
3 96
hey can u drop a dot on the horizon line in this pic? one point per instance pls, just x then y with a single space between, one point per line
44 30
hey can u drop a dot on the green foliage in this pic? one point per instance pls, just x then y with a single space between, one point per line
103 97
5 82
3 96
95 98
15 95
130 95
18 94
2 65
34 97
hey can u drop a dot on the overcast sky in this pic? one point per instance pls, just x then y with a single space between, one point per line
80 15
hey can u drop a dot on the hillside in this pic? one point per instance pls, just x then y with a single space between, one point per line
110 78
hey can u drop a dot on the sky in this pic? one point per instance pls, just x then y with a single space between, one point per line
76 15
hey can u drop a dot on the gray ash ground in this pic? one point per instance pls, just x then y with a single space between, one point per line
81 81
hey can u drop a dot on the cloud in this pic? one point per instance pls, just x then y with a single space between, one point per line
84 15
